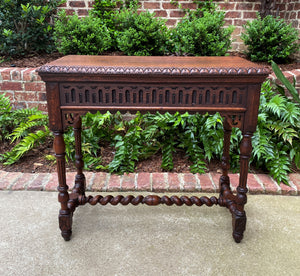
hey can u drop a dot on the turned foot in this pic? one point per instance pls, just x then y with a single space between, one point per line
66 235
65 225
239 225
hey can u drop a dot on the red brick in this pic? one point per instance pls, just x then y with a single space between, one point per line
295 178
160 13
29 74
228 22
205 183
16 75
5 75
77 4
26 96
254 186
227 6
290 7
239 22
82 12
234 181
23 181
158 182
9 179
10 95
293 15
173 182
42 97
35 76
70 179
70 11
190 6
7 85
2 176
233 14
52 183
189 182
216 180
287 190
249 14
270 186
99 183
19 105
114 183
39 106
88 180
63 5
177 14
38 183
143 182
168 6
257 7
171 22
128 183
151 5
35 86
91 4
244 6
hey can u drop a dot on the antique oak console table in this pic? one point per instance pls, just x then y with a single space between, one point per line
79 84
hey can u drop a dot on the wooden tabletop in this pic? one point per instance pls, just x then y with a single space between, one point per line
153 65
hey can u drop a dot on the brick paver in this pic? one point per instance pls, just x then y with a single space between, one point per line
100 182
159 182
144 182
156 182
128 183
174 182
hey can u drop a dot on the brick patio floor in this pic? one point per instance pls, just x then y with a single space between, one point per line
154 182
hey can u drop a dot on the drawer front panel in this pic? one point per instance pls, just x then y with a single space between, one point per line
95 94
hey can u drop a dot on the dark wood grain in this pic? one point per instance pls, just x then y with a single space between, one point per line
79 84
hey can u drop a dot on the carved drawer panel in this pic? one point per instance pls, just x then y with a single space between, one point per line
95 94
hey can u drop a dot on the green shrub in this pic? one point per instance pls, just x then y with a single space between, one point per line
276 142
140 34
26 127
201 7
86 36
25 26
269 39
204 36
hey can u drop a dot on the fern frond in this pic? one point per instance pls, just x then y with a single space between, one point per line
276 105
25 145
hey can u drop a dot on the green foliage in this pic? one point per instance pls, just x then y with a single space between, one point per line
97 129
10 119
140 34
286 83
5 118
107 11
269 39
86 36
30 132
276 142
201 7
25 26
201 36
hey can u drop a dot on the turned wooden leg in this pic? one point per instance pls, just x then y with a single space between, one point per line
65 215
239 215
79 186
224 182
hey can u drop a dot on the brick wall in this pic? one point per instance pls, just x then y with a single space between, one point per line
237 12
25 88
